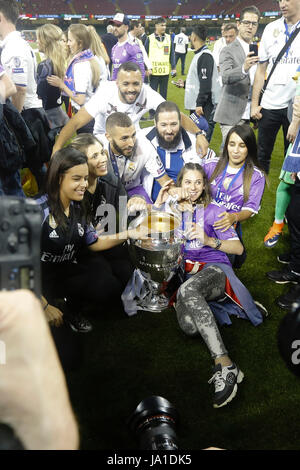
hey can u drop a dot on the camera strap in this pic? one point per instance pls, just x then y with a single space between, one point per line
278 58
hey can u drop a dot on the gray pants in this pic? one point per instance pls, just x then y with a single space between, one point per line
225 128
193 313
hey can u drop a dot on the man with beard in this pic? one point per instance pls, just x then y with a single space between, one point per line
126 49
130 155
128 95
202 88
173 144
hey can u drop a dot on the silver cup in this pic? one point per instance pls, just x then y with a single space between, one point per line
157 256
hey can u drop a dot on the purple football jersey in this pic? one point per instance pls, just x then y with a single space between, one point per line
126 52
195 251
232 196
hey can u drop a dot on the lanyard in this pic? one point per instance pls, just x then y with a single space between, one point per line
218 199
115 165
288 34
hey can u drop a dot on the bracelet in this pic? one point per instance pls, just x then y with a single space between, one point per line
217 243
201 132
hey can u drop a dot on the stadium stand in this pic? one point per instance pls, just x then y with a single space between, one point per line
46 6
138 7
96 7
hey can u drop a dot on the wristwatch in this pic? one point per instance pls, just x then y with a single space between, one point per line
201 132
218 243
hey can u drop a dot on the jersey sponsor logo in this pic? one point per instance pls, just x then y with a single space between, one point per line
53 234
80 230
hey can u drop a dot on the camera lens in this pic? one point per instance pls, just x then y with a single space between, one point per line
153 422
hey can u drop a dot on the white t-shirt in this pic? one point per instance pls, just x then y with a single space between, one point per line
83 81
106 101
180 42
131 169
18 59
219 44
281 87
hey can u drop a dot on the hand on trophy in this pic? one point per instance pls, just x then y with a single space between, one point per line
135 204
196 231
139 233
181 193
163 194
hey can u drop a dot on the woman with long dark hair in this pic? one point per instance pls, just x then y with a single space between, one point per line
209 277
236 179
103 198
65 235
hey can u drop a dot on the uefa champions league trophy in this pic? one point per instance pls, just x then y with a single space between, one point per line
156 256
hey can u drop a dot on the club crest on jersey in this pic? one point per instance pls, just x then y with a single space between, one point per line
80 230
131 166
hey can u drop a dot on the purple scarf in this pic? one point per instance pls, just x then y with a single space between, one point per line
80 57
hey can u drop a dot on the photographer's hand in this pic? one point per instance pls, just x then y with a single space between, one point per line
34 399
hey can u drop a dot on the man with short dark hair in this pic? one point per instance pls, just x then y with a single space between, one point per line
201 85
128 94
181 42
129 155
160 50
237 69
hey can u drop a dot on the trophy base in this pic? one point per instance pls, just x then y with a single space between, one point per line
153 303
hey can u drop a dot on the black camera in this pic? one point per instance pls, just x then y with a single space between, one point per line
20 230
289 339
153 422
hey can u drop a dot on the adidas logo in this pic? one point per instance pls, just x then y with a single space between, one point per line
53 234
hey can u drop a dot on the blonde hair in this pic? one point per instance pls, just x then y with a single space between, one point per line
97 47
83 37
49 36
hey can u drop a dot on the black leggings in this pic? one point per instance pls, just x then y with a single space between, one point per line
98 278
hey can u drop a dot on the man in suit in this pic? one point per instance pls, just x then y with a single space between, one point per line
237 68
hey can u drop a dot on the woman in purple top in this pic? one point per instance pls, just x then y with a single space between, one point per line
209 277
237 182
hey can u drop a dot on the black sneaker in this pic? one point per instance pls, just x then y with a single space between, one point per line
225 380
284 258
286 301
78 323
262 309
283 277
